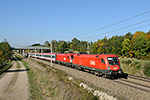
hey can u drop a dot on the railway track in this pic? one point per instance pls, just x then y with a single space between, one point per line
136 82
146 79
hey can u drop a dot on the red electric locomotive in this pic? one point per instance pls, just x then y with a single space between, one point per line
103 64
65 59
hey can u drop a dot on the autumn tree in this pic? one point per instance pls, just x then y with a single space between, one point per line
47 44
1 58
126 47
101 46
95 47
75 44
140 44
136 45
5 51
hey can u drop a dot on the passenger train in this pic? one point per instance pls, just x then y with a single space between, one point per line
99 64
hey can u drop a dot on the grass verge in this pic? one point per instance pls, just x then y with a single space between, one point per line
18 58
136 67
18 64
147 69
53 84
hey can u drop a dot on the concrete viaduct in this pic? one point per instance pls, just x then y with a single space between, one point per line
30 48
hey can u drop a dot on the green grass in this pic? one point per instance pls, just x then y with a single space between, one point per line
18 64
138 66
26 66
34 85
134 64
135 67
147 69
18 58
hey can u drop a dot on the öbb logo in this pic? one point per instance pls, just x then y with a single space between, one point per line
92 62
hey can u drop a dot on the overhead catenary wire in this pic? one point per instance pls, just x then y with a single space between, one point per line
113 24
119 28
123 31
135 28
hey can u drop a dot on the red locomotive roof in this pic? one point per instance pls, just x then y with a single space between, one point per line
96 55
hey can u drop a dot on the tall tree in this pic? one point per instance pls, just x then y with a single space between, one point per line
5 51
2 58
126 47
140 44
46 43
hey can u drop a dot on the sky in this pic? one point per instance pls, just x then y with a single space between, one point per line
25 22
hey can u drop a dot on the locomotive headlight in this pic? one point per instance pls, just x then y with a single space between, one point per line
108 67
119 72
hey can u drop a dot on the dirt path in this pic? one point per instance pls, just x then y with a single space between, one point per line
14 84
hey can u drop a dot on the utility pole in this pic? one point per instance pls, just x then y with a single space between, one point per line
35 53
88 48
51 52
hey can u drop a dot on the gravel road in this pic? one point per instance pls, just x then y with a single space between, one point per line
14 84
111 86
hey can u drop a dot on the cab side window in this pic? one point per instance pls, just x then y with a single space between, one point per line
72 57
102 60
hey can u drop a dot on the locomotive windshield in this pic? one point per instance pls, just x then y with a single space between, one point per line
113 61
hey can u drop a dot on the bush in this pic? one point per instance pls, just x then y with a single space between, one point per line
128 62
147 57
138 66
135 63
147 69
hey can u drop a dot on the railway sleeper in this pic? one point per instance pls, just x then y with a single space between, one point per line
76 67
67 65
82 69
92 72
97 73
87 70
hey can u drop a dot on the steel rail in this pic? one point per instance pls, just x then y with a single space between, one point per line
138 88
146 79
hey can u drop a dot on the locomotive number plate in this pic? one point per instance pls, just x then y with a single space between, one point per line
115 68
